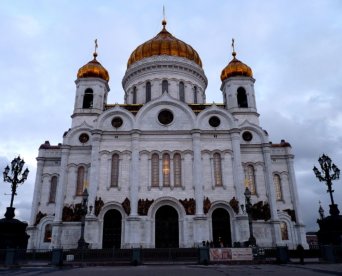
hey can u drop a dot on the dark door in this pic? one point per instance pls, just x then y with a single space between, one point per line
221 228
167 234
112 229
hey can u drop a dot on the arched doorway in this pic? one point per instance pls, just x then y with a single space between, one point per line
112 229
166 228
221 227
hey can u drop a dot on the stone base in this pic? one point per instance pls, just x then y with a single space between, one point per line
330 230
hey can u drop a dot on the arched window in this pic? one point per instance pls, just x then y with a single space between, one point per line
177 168
195 94
148 91
80 181
166 170
242 97
88 98
217 169
250 179
277 184
53 189
283 230
115 171
155 170
165 86
181 92
47 233
134 95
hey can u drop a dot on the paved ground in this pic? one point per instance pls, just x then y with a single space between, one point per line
184 270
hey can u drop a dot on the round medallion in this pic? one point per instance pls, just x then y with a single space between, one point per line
247 136
117 122
84 138
165 117
214 121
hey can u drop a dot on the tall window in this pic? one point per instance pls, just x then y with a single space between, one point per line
250 179
88 98
217 169
53 189
148 91
134 95
242 97
80 181
181 92
195 94
166 170
283 230
155 170
115 171
277 184
165 86
177 168
47 233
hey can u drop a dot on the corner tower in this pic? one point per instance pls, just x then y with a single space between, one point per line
238 90
91 91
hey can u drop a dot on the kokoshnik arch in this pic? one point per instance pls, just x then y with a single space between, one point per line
165 169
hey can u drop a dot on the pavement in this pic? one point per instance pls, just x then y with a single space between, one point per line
292 269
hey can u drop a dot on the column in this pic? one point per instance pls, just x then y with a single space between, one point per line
270 190
238 174
37 190
135 171
197 171
57 224
94 167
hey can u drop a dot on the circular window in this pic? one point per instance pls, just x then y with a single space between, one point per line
214 121
247 136
84 138
165 117
117 122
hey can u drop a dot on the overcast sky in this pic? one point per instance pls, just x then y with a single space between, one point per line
293 47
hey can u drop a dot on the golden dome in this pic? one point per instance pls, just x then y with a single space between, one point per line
164 43
236 68
93 69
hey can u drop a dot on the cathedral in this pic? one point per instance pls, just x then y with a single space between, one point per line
165 169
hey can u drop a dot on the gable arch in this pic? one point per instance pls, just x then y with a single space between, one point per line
227 120
104 122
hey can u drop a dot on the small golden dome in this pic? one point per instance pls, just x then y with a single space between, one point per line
236 68
164 43
93 69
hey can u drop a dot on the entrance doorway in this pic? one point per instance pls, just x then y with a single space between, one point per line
112 229
166 230
221 228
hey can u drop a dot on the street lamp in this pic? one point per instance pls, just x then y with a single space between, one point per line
248 194
328 173
17 177
84 209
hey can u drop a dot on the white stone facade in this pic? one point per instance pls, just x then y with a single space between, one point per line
208 181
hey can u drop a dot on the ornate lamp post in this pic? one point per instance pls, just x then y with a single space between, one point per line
81 242
247 194
329 172
16 177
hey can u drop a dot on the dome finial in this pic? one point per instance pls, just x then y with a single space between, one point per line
96 46
164 18
233 48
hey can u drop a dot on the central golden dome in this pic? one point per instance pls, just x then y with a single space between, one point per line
164 43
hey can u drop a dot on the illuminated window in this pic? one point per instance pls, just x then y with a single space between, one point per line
166 170
80 181
277 184
165 86
217 169
115 171
88 98
134 95
47 233
250 179
155 170
53 189
177 168
284 232
181 92
148 91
